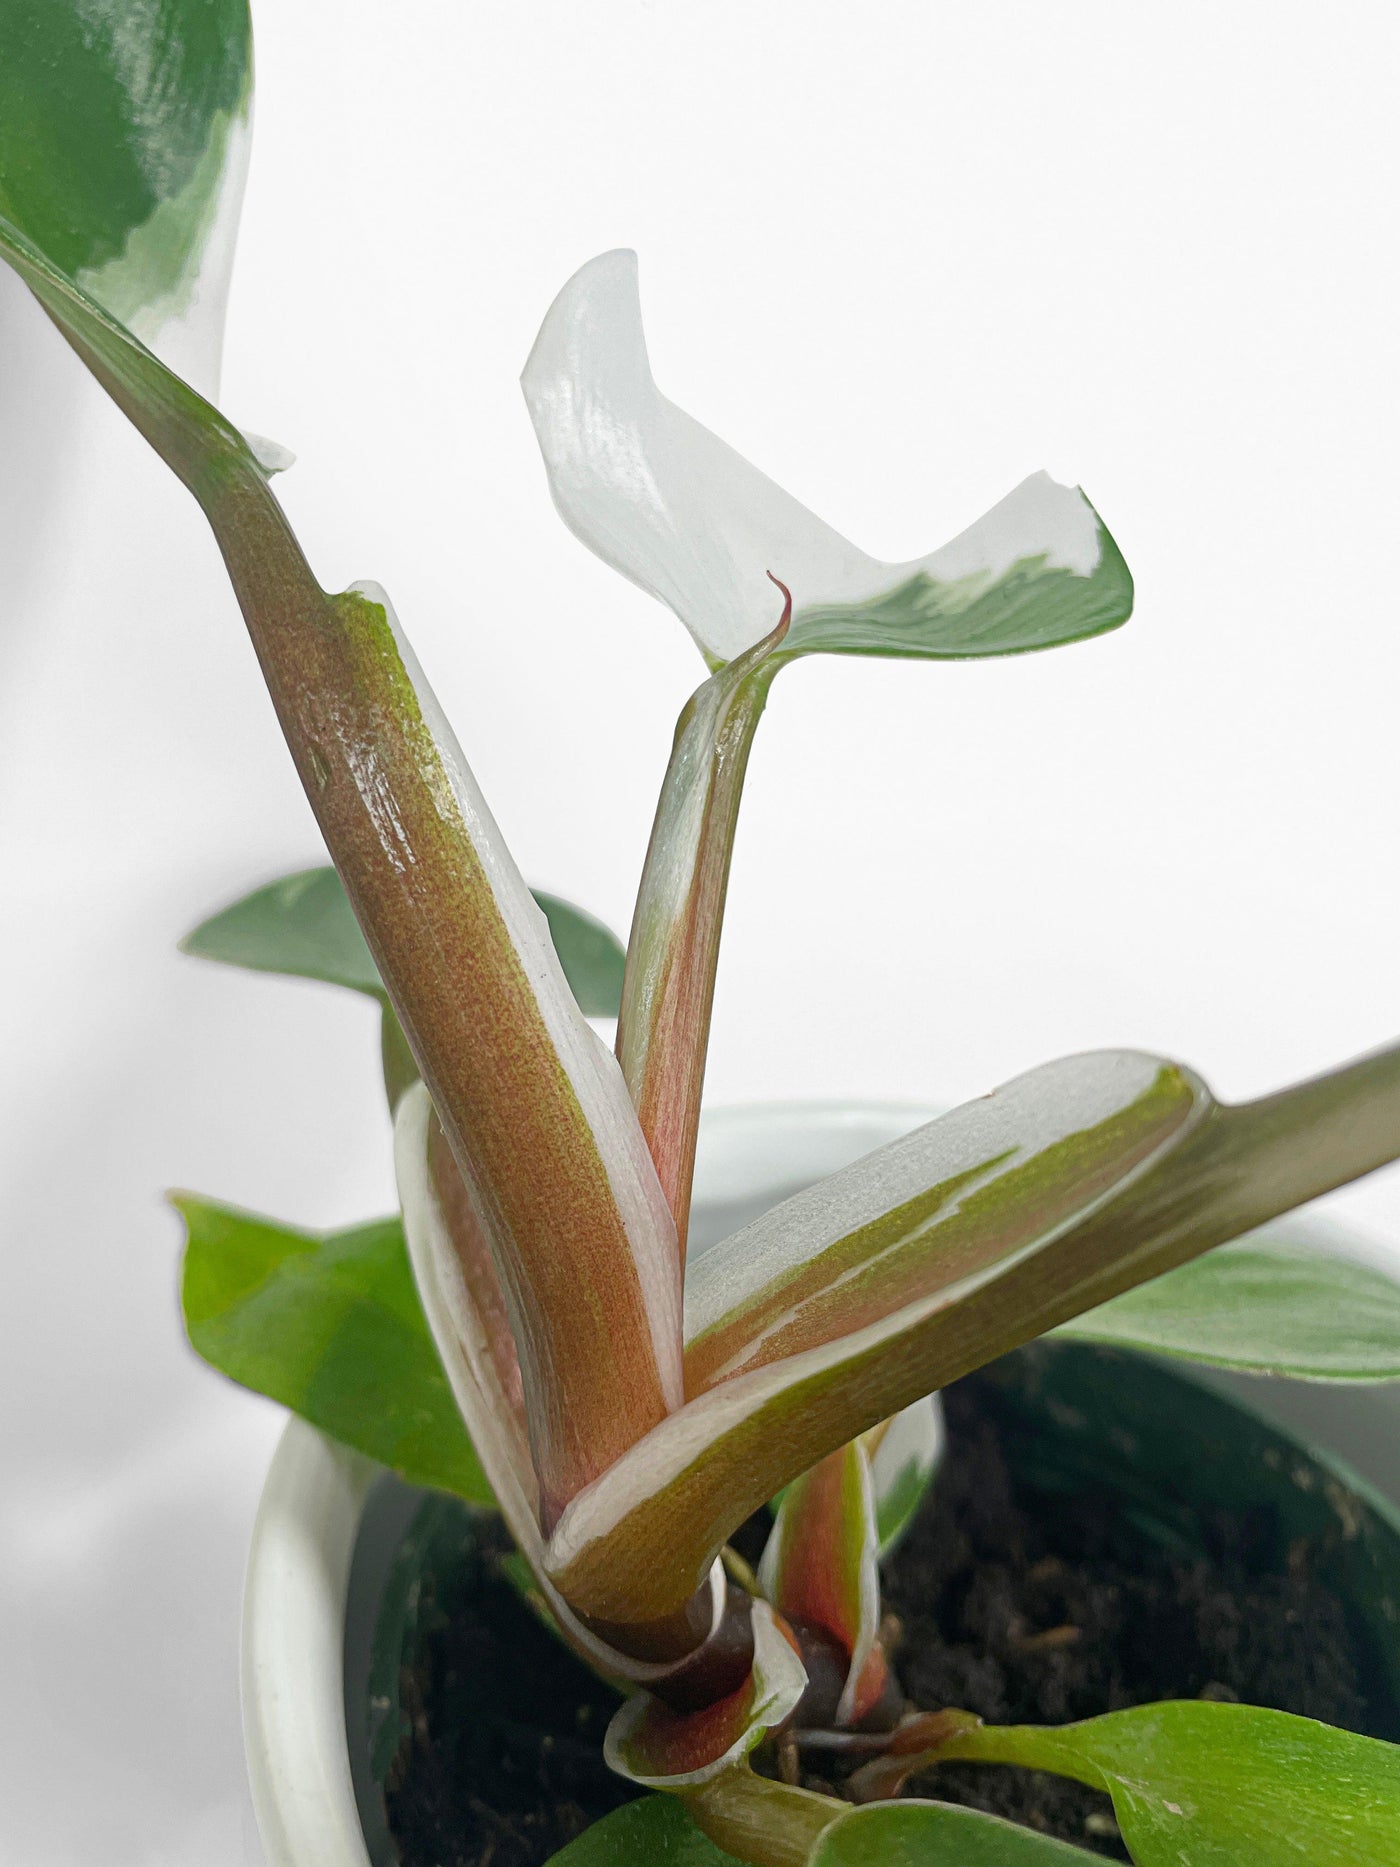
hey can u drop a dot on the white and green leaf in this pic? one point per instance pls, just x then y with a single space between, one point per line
123 147
914 1266
678 511
536 1109
905 1455
460 1289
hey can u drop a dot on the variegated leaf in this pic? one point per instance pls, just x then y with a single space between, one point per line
676 510
466 1314
123 147
664 1749
930 1257
536 1109
820 1569
905 1454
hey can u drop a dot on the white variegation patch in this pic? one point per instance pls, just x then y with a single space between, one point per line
973 1144
908 1451
678 511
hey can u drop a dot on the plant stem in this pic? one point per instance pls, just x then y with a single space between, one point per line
757 1820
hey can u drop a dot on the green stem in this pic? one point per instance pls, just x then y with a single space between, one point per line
1029 1746
760 1821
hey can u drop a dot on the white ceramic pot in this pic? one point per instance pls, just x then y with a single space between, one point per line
330 1519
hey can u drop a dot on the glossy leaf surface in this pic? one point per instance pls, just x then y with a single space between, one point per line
1196 1784
465 1307
905 1454
653 1832
936 1834
847 1302
535 1108
329 1324
677 510
1271 1304
303 925
123 135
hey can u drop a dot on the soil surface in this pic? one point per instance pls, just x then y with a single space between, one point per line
1018 1605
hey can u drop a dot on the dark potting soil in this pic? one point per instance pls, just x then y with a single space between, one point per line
1018 1605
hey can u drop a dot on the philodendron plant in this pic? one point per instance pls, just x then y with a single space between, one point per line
530 1333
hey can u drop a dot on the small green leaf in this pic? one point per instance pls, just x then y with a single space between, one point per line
655 1832
907 1453
1271 1304
1198 1784
117 133
935 1834
590 953
301 925
304 926
330 1325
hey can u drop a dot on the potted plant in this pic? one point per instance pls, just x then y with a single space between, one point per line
535 1338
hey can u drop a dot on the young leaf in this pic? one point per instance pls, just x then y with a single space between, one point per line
303 925
330 1325
917 1264
1271 1304
123 145
936 1834
820 1569
653 1832
1197 1784
905 1454
677 511
663 1749
536 1110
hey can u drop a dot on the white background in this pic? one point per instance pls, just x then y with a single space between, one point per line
899 253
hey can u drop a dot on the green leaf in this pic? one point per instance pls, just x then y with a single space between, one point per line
1032 603
303 925
655 1832
330 1325
1271 1304
1198 1784
590 953
120 132
935 1834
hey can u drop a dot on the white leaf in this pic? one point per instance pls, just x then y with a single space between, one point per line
678 511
